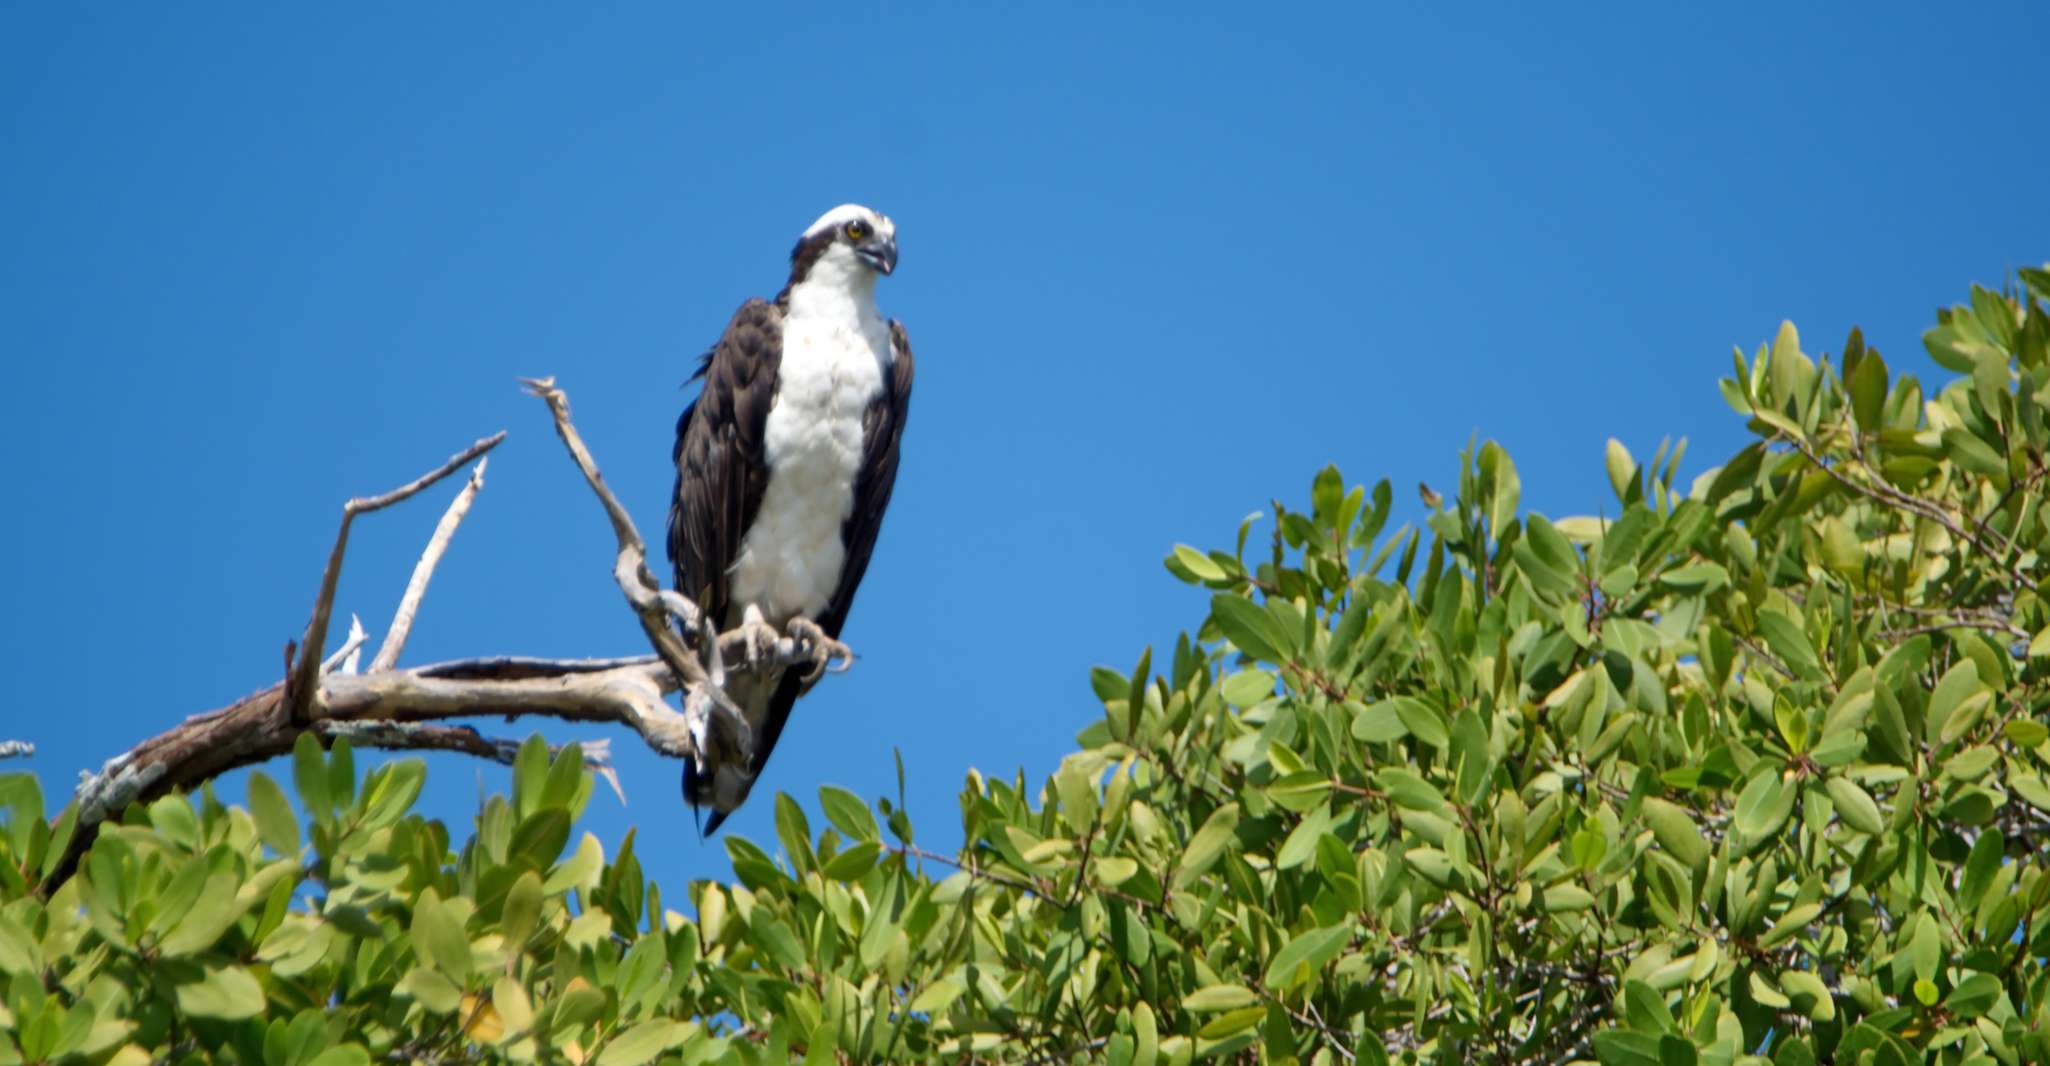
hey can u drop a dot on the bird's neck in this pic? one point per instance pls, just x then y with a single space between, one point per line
835 290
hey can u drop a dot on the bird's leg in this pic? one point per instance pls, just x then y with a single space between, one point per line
824 649
761 637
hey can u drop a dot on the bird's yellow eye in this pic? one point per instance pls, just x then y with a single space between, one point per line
857 230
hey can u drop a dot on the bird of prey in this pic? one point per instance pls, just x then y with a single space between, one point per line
784 465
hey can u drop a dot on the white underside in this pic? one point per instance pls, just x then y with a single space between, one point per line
836 349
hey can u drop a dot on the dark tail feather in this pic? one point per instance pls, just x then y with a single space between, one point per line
712 825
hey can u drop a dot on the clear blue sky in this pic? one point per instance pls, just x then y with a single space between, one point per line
1158 269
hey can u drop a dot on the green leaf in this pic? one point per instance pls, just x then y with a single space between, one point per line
1808 994
1788 641
1326 490
1868 392
854 863
1623 1047
342 1055
1567 897
1762 807
1435 866
1974 455
225 992
776 940
1982 863
1790 923
1958 684
538 841
1310 949
1196 564
1219 997
1146 1031
515 1009
1207 845
1504 488
1407 789
643 1042
341 773
1250 627
275 823
1928 947
1854 805
1973 996
848 813
309 773
211 914
1676 832
1301 844
1231 1023
1674 1051
1113 870
1622 470
1378 724
439 939
1247 687
522 911
578 1005
1300 791
2026 732
580 870
1701 577
1423 720
1841 550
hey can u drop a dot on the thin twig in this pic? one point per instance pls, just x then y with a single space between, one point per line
1902 501
300 686
1309 1017
423 571
1766 657
974 871
1938 627
344 657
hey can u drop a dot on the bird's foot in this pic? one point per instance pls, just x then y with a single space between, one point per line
757 636
824 651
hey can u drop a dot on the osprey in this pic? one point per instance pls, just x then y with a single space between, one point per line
784 465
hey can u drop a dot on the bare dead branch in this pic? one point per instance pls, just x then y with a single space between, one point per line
630 569
259 726
300 683
416 587
14 749
391 708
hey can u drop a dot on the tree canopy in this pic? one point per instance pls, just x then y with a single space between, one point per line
1747 770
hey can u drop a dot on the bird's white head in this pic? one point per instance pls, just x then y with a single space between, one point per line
850 245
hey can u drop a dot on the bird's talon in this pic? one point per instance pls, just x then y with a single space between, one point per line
826 653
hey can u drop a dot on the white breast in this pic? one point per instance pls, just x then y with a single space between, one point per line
835 352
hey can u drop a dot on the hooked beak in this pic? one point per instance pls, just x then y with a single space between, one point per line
878 252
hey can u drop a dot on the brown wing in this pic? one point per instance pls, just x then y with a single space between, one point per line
881 431
721 472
